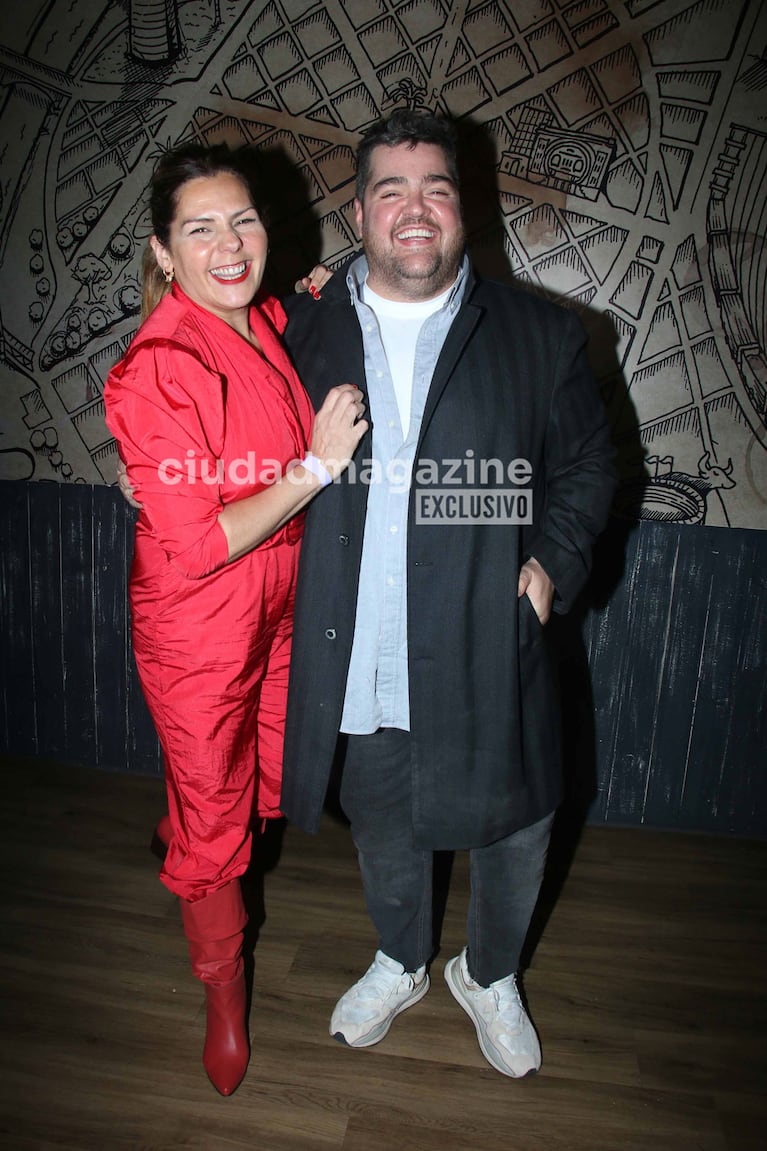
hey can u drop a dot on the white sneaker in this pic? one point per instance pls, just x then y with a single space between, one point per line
506 1036
364 1014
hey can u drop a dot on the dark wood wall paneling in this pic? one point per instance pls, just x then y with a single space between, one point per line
69 687
678 658
663 662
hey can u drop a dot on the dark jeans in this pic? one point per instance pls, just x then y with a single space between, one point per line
397 877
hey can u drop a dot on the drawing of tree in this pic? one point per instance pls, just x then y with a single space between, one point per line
406 90
90 271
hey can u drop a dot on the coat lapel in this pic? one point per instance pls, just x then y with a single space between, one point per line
457 338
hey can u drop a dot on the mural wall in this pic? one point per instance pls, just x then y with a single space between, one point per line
617 160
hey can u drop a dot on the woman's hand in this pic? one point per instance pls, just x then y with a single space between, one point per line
125 486
315 281
338 428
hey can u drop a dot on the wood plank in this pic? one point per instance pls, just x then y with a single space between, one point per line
45 569
646 987
17 677
110 629
730 695
77 636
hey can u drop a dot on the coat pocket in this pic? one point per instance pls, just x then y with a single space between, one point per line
530 627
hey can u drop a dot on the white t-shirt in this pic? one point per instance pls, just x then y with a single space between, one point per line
400 323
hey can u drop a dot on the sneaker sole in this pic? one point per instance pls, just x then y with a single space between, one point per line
455 985
382 1029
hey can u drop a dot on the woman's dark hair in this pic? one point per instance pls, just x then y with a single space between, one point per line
174 169
409 126
191 162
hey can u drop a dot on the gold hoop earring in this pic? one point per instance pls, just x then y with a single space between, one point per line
168 276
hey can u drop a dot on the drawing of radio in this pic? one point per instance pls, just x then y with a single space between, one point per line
572 162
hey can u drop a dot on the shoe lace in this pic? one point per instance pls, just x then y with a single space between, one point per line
379 983
508 1003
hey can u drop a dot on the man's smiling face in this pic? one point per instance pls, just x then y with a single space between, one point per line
410 222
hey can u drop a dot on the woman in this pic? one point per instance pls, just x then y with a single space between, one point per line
213 425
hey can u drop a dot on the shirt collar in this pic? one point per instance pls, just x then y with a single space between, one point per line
358 270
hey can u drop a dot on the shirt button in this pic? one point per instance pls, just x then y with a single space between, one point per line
379 375
330 633
392 423
394 529
390 581
344 541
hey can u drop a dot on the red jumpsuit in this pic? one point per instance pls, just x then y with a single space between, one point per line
202 419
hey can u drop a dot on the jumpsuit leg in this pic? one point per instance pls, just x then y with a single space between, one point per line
270 719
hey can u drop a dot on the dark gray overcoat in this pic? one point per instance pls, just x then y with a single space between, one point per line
512 383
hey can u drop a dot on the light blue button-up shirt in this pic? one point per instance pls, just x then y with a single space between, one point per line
377 684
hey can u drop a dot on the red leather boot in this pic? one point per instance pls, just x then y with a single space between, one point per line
214 927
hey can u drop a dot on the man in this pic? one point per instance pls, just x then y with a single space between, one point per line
421 604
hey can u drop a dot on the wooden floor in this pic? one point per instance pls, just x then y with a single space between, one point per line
647 986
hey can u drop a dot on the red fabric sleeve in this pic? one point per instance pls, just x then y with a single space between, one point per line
166 411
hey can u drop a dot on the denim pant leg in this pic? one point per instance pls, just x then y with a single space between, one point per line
376 789
506 877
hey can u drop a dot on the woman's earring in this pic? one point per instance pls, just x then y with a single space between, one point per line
168 276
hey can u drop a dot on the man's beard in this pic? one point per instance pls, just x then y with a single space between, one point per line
419 278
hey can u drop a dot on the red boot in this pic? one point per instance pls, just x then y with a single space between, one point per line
214 927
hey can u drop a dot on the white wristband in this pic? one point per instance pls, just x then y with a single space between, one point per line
312 464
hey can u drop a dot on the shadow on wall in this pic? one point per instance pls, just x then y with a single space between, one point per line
488 244
295 232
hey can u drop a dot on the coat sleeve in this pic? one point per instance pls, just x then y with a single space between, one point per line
166 411
580 476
